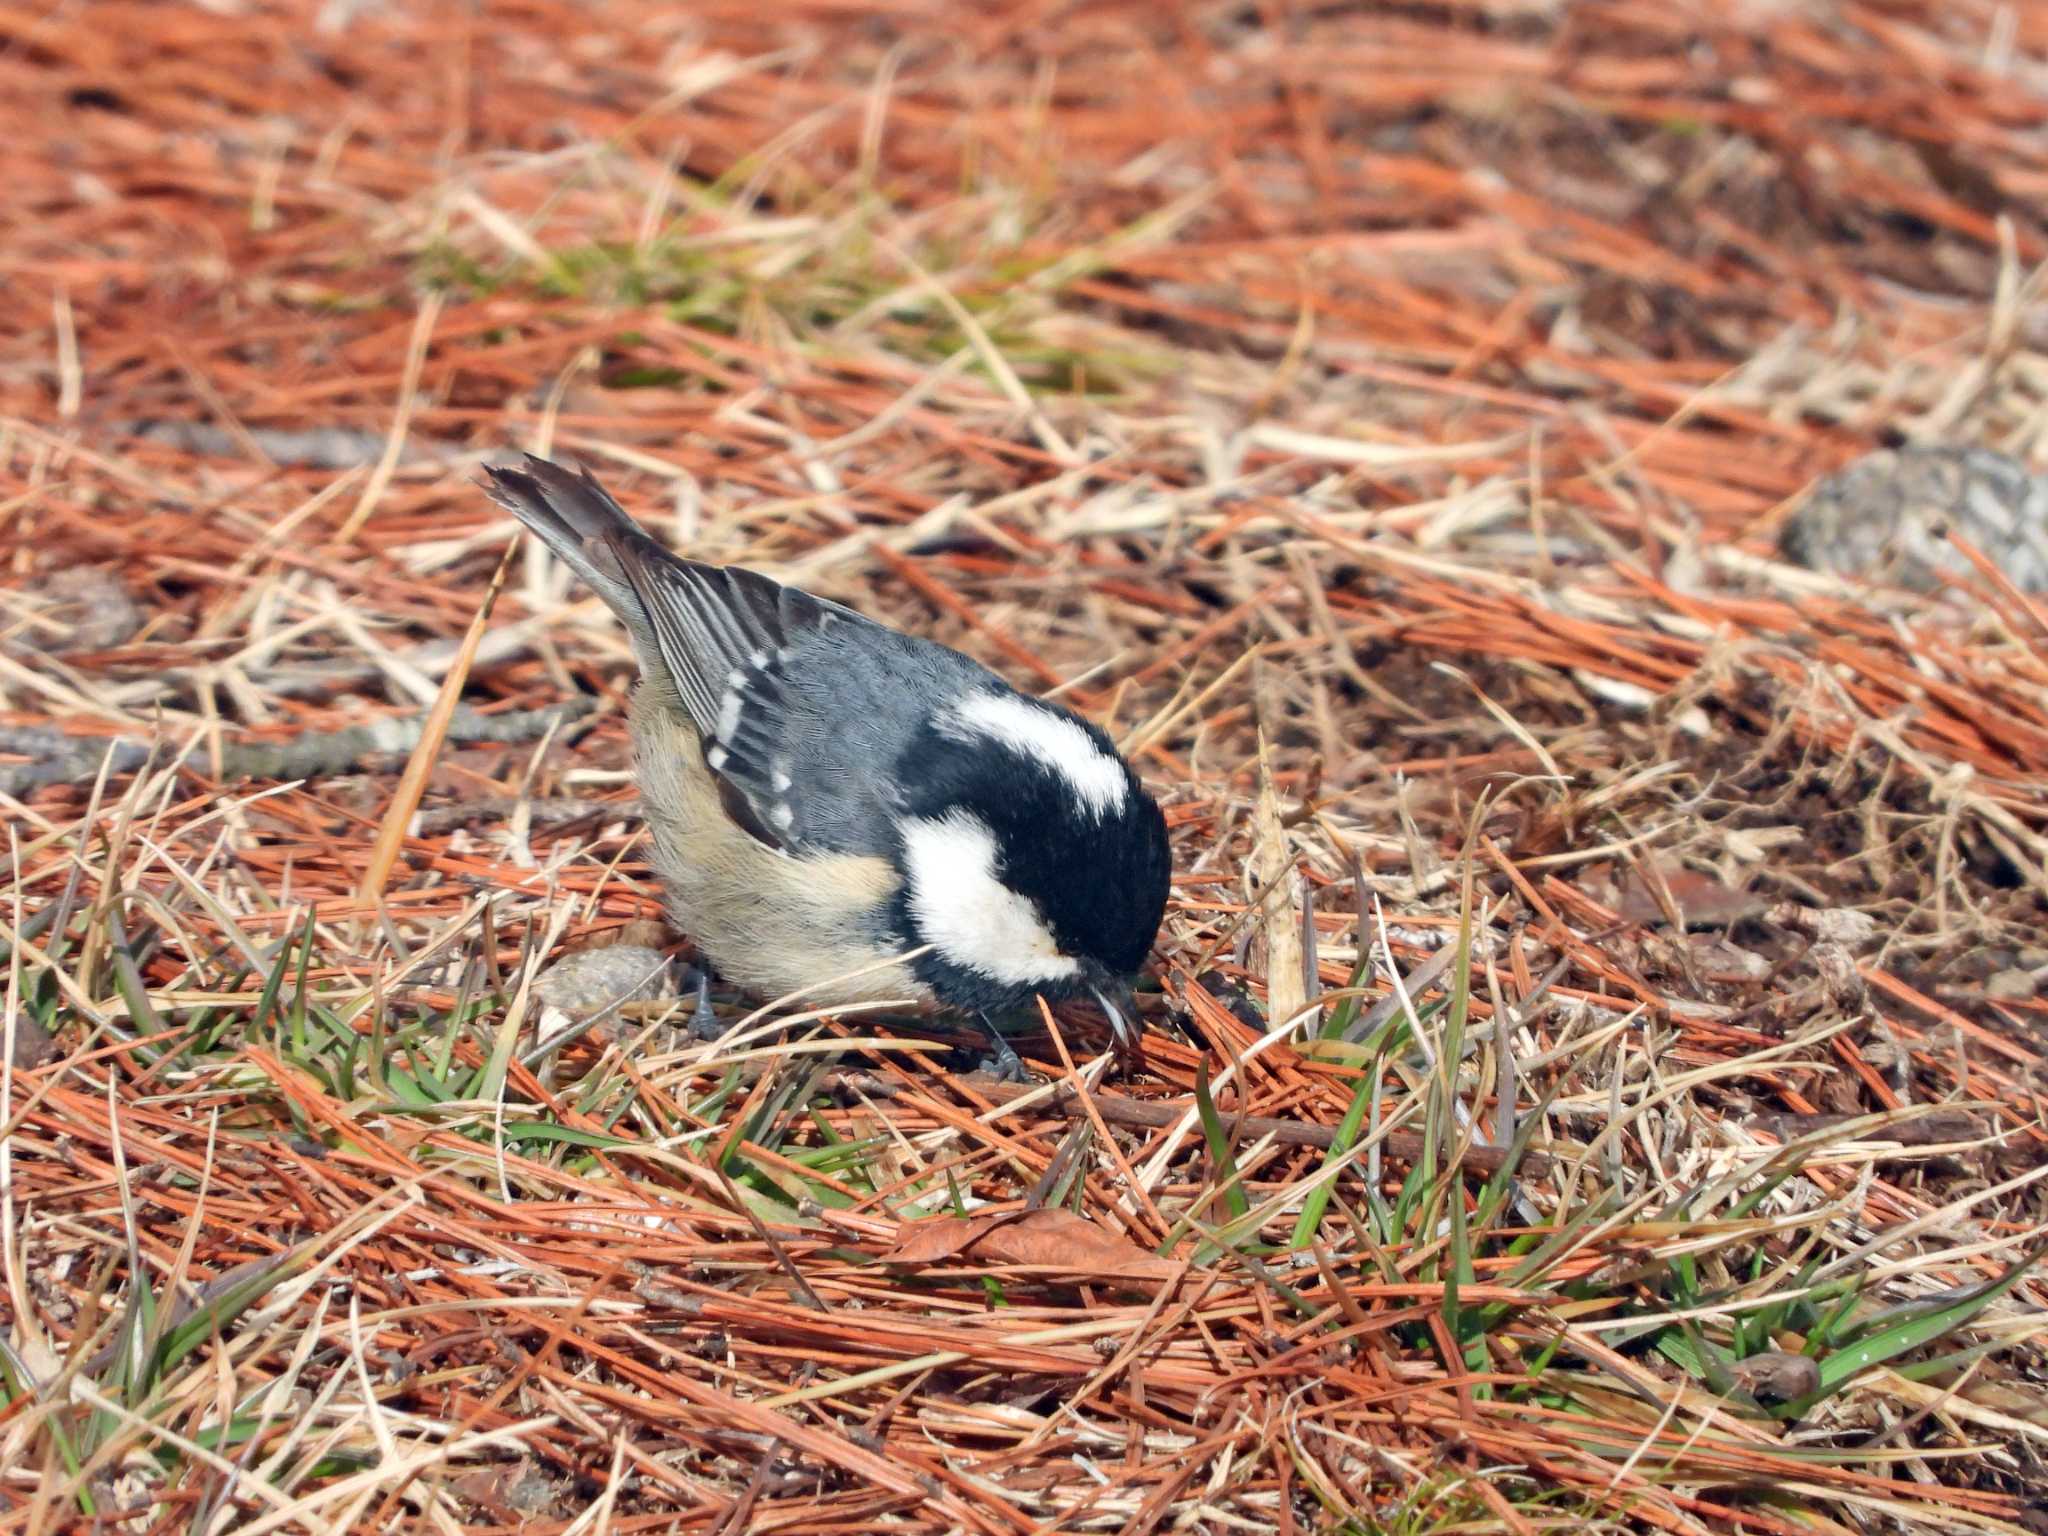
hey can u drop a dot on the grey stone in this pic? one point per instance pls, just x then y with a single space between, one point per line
592 980
1883 518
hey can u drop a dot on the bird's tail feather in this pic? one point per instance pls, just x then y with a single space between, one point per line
593 535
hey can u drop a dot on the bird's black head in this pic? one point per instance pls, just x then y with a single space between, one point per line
1033 861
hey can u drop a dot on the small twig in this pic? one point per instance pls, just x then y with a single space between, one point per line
1939 1125
546 811
406 799
57 758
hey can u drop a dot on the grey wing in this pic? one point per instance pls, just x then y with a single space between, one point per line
725 637
715 627
805 708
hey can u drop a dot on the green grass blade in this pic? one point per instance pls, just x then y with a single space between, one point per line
1219 1144
1840 1367
221 1302
1310 1221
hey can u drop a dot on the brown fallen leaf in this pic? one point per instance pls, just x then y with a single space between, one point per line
1047 1238
1702 901
933 1239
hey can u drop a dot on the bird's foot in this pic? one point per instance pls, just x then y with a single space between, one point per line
1002 1061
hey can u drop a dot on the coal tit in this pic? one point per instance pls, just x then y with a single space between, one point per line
829 796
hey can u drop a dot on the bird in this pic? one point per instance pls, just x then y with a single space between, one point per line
842 809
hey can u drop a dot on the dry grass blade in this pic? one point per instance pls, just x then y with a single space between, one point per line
412 784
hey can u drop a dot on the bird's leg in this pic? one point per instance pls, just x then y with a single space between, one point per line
705 1024
1002 1061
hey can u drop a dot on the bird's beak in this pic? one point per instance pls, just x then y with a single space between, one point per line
1120 1008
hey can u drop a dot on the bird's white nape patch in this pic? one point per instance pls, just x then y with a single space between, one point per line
1052 739
966 913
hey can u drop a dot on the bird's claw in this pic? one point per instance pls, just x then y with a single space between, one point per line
1004 1065
1002 1061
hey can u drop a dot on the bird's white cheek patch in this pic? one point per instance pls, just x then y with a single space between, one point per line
964 910
1036 732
